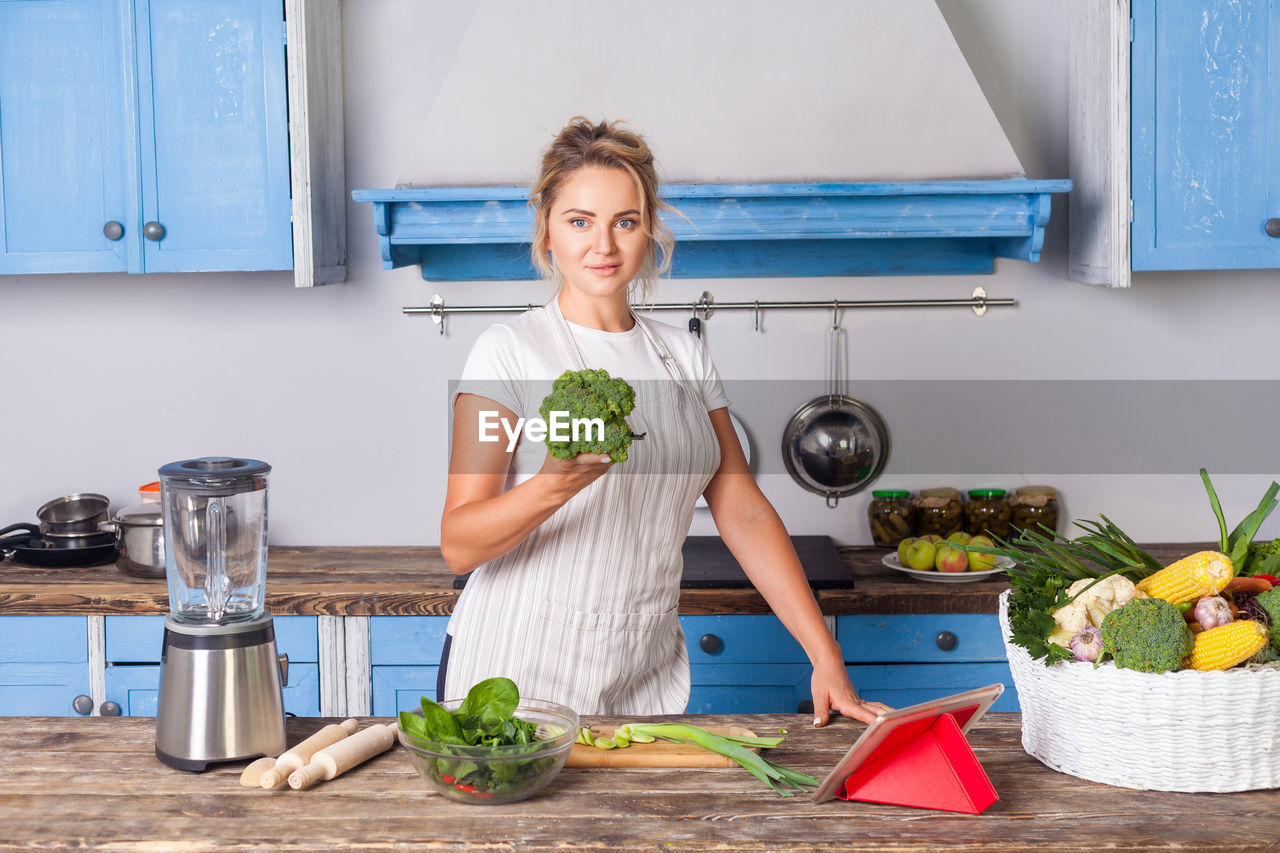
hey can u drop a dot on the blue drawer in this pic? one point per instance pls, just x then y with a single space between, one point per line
906 684
743 639
136 687
401 688
407 640
913 639
137 639
44 639
761 688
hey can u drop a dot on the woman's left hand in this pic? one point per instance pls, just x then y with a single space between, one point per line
833 690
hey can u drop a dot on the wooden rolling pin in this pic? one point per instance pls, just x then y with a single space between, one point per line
277 776
337 759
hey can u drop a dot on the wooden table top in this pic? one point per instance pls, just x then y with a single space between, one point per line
414 581
94 783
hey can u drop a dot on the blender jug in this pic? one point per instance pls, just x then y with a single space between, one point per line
215 517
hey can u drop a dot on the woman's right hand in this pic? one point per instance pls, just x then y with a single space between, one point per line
570 476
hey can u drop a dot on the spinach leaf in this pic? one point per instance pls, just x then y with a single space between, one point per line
440 723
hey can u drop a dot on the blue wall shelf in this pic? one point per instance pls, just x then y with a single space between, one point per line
741 230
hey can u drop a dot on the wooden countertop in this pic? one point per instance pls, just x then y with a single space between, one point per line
94 783
400 581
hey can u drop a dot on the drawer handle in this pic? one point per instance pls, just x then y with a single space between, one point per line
109 709
82 705
710 643
946 640
805 707
153 231
1272 227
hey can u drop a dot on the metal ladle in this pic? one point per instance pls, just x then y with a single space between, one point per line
835 445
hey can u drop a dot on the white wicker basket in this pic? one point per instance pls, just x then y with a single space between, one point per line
1175 731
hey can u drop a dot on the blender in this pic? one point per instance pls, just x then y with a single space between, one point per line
221 678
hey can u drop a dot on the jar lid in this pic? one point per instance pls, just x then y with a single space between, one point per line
1047 491
142 515
986 493
945 492
890 493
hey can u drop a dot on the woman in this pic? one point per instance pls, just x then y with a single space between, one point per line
577 561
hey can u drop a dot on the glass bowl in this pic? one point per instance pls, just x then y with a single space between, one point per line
492 775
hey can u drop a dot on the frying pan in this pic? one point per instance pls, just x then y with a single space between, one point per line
30 548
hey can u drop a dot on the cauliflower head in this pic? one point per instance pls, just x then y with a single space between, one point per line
1093 605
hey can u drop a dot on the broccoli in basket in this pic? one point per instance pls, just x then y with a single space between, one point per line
591 395
1147 634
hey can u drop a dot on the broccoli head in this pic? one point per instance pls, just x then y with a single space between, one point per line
591 395
1147 634
1269 603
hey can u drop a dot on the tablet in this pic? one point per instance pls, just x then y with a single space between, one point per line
895 728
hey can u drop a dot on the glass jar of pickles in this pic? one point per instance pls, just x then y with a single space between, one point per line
891 515
939 511
988 512
1034 506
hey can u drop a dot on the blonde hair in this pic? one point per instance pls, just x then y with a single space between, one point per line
611 145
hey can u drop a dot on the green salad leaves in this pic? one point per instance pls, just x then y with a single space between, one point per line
491 743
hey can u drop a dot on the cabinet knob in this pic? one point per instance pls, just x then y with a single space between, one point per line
710 643
153 230
82 705
1272 227
946 640
113 230
109 709
805 707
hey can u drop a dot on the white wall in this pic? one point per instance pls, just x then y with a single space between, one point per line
111 376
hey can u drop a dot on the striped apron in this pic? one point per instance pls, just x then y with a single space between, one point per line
583 611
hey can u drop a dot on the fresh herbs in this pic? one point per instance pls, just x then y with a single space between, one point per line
491 743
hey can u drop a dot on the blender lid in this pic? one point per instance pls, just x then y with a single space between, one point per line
224 473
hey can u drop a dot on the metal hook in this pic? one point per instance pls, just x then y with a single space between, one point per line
835 314
757 314
437 311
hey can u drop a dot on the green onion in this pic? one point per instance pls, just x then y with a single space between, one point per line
769 772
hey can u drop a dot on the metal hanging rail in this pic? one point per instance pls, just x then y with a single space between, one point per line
706 305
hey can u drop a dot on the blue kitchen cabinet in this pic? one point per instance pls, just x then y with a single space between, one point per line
904 659
133 663
404 658
1205 123
44 665
143 137
744 664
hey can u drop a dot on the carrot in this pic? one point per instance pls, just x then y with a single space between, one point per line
1249 584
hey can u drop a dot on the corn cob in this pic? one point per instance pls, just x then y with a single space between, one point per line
1227 645
1202 573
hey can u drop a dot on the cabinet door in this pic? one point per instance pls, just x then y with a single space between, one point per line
44 665
64 139
214 134
404 657
1205 128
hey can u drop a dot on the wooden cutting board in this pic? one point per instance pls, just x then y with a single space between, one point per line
660 753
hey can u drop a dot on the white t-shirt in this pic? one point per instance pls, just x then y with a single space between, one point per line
514 364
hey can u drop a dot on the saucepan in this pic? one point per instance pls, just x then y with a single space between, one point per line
73 515
835 445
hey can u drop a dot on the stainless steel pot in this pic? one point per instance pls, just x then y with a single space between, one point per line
140 532
73 515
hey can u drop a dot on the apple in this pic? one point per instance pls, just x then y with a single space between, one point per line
981 562
950 559
921 554
959 537
932 538
902 549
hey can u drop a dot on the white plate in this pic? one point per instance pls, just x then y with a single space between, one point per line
746 449
891 560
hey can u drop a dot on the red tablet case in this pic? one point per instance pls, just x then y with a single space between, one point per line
925 764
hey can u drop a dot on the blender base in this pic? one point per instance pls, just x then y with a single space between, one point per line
220 694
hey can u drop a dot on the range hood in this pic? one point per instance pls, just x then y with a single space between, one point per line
824 139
